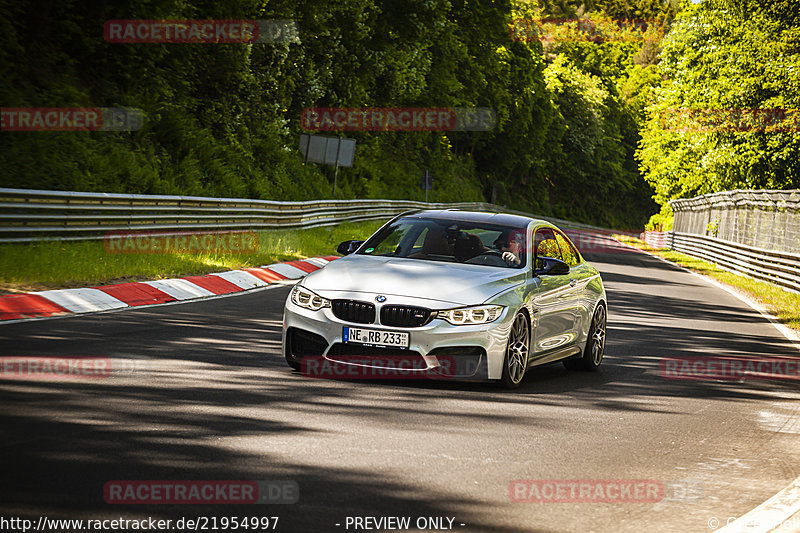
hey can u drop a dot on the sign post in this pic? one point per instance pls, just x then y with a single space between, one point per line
336 151
427 183
336 172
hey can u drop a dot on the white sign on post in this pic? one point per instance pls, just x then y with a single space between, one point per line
327 150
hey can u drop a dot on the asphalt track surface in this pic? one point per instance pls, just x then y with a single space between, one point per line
212 399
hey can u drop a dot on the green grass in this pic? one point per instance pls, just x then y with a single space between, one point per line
785 305
63 264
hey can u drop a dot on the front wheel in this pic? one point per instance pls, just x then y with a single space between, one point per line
595 345
516 362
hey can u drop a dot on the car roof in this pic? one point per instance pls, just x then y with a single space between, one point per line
504 219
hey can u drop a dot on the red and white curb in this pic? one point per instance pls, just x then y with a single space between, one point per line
124 295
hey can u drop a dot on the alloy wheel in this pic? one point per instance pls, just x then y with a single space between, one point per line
598 335
517 351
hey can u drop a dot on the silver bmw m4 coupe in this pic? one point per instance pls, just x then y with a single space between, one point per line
453 295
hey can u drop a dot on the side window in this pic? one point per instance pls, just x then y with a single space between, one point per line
568 252
546 245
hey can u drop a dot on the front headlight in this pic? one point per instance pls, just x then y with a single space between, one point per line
305 298
464 316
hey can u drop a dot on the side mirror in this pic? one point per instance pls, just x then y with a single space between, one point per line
348 247
547 266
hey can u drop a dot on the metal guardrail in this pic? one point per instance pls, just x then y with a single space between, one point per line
766 198
657 239
31 215
761 218
751 232
28 215
781 268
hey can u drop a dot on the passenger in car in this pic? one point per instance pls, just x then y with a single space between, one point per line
468 246
435 243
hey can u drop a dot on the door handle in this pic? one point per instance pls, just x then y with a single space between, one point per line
572 283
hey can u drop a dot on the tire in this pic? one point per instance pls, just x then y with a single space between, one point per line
595 344
517 352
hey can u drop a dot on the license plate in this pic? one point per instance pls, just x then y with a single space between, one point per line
375 337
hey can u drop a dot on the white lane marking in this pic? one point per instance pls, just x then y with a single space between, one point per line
291 272
242 279
770 515
180 289
82 300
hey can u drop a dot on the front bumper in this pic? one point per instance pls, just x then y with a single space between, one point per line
453 352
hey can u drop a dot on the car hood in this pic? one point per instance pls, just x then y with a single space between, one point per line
447 282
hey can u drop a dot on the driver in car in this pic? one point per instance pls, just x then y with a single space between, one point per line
510 247
507 245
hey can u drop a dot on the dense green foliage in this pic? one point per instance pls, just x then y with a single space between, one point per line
724 55
223 120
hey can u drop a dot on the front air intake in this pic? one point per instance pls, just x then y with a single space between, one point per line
405 316
353 311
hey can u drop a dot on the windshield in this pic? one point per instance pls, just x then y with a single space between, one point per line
450 241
